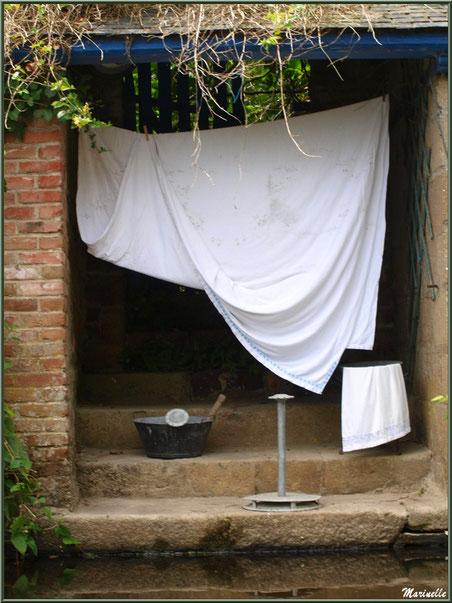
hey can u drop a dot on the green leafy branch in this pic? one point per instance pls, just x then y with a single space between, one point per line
43 100
282 19
39 88
25 511
50 30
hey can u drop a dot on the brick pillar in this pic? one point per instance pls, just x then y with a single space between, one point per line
39 387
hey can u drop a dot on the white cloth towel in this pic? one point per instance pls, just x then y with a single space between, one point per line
374 405
287 246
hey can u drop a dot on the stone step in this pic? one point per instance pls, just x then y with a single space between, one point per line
246 420
320 469
221 524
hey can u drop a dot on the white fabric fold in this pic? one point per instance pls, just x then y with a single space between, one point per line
374 406
287 246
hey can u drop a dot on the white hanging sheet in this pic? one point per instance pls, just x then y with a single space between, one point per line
374 406
287 246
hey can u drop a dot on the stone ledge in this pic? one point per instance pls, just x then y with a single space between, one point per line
221 524
312 469
245 419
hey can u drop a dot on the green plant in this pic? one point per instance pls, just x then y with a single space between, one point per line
25 511
44 100
48 31
38 87
441 399
281 17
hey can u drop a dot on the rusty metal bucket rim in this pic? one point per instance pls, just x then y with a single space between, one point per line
193 419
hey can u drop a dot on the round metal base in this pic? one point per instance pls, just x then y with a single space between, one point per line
292 501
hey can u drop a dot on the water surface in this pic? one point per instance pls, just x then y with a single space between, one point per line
381 574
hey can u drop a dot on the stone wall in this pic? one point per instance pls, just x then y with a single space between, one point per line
431 368
39 387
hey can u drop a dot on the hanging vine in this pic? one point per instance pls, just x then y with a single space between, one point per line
37 84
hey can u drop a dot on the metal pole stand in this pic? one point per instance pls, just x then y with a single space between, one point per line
282 500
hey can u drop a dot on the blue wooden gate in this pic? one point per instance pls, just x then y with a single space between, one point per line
158 97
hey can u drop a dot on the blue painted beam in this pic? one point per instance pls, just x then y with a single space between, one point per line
442 63
390 45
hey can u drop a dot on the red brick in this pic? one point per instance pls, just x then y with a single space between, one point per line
50 242
19 394
9 228
27 151
10 138
50 151
40 379
39 196
39 319
21 243
10 289
31 425
43 410
9 198
49 181
42 257
26 365
10 167
51 211
53 319
54 334
19 213
49 454
29 336
52 305
59 453
8 350
38 289
53 363
40 226
26 320
43 349
52 272
21 305
20 182
54 393
10 259
40 166
48 439
21 274
43 124
41 135
9 380
19 319
10 319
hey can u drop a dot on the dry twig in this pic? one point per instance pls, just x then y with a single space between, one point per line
206 33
